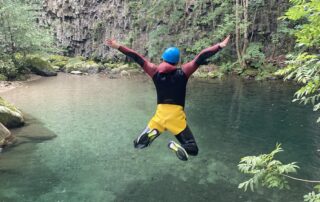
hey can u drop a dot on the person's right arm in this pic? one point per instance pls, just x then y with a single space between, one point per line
147 66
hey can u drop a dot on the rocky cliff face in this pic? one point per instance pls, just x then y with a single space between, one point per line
81 25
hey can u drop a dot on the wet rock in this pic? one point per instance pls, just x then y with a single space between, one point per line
10 116
76 72
124 73
116 71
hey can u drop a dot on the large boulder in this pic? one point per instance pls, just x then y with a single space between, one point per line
40 66
10 116
6 138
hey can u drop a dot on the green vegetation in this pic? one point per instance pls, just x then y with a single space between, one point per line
304 66
20 33
195 25
268 172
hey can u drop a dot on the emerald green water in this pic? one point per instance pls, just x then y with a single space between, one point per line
96 119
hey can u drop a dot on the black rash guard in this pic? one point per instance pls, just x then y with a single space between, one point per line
171 87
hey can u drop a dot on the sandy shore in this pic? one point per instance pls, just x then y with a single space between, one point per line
9 85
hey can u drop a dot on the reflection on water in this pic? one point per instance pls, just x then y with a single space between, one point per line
96 119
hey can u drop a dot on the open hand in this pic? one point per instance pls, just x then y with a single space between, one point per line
224 42
112 43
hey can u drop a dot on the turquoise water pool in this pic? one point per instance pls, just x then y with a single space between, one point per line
96 119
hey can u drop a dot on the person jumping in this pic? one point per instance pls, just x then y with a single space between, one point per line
170 82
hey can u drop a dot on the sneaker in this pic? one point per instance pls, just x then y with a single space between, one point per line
145 139
179 150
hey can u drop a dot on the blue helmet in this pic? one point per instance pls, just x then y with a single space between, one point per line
171 55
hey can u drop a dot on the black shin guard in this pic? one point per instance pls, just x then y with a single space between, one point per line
188 142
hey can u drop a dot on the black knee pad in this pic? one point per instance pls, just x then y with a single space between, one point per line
188 142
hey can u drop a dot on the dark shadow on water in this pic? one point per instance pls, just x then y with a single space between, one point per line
21 171
33 131
171 188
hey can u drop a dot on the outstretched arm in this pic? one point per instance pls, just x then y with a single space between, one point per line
147 66
200 59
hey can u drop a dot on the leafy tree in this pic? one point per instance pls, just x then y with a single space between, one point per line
192 25
19 30
20 34
304 66
266 171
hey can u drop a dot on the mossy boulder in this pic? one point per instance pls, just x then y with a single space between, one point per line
57 58
60 64
59 61
200 74
10 116
115 71
215 74
8 69
78 64
40 66
250 73
110 65
3 77
56 68
6 138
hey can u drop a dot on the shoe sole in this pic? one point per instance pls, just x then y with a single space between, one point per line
180 151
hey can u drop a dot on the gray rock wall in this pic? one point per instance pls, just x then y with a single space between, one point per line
81 25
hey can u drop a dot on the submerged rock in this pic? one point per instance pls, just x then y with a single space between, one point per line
10 116
40 66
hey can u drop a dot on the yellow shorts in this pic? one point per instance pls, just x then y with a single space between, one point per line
169 117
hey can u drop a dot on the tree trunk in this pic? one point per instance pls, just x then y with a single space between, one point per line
245 31
238 32
242 18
